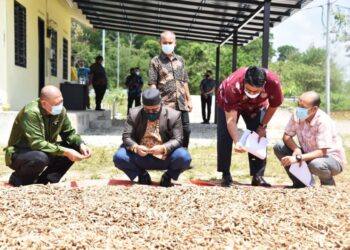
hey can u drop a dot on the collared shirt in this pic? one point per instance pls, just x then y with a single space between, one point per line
320 133
207 85
84 74
34 129
152 136
231 95
170 76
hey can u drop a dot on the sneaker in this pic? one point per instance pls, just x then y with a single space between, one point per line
145 179
165 181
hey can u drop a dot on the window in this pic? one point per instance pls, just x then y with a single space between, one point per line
65 58
54 52
20 35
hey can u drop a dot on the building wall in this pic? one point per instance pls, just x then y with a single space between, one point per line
22 84
3 52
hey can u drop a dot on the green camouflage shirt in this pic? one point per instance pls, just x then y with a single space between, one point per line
169 75
34 129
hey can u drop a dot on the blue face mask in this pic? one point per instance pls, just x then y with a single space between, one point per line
56 110
152 116
168 48
302 113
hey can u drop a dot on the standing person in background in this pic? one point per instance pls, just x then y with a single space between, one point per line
73 70
207 88
98 79
134 83
167 73
83 76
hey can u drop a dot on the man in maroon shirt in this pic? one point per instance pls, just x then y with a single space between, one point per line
255 94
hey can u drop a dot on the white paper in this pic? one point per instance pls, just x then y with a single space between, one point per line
302 173
249 140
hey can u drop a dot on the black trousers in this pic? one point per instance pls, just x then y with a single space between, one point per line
206 102
31 166
86 96
132 99
185 118
224 144
100 91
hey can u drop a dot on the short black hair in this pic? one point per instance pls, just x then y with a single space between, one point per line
209 71
255 76
99 58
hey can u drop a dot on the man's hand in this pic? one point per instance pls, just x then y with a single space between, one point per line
84 150
153 86
297 151
261 132
189 105
156 150
239 148
73 155
288 160
141 150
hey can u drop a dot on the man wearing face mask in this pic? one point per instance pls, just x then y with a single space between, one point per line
207 88
255 94
134 83
33 151
167 73
152 140
320 146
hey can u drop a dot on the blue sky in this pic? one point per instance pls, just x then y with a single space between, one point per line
305 29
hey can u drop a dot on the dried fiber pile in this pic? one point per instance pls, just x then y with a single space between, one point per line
184 217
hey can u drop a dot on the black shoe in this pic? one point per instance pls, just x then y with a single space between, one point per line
293 186
99 109
145 179
15 181
165 181
226 180
259 181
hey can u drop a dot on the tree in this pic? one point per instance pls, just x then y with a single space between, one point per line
286 51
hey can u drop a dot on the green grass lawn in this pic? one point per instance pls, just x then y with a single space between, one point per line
100 166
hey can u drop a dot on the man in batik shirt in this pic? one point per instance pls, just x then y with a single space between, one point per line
167 73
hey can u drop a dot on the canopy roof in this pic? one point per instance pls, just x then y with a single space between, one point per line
198 20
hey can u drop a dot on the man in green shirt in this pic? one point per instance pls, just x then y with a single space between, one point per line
33 151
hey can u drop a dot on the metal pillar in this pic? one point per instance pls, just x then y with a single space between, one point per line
234 53
103 46
266 34
217 79
328 59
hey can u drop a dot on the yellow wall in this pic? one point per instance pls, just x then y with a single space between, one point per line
3 52
22 83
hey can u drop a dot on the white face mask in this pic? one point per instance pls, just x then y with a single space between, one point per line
137 73
168 48
250 95
56 110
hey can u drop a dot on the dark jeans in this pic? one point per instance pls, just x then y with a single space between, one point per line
133 165
100 91
31 166
185 118
206 102
224 144
131 99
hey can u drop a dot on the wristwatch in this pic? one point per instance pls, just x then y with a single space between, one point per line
299 158
264 126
